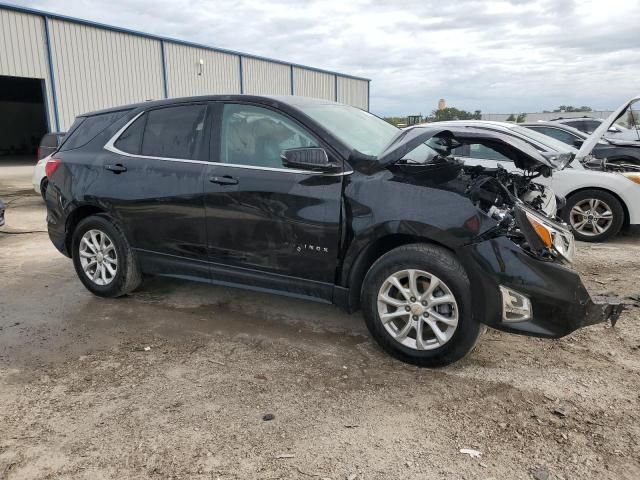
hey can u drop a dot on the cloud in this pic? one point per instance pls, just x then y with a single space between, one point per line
497 56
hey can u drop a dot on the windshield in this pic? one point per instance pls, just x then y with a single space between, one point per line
362 131
550 142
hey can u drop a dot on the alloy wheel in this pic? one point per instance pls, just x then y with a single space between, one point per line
418 309
591 217
98 257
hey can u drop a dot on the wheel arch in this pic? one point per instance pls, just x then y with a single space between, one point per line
353 277
75 217
627 216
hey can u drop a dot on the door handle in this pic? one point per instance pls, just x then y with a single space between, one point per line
117 168
225 180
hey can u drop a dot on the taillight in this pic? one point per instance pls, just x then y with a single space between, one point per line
51 166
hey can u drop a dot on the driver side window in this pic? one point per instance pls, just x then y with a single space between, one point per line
257 136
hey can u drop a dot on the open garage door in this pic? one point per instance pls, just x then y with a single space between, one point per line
23 118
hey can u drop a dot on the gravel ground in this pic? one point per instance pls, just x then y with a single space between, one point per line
175 381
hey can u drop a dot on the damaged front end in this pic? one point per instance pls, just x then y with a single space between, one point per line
518 268
522 283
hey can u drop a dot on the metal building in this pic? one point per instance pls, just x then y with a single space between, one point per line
53 68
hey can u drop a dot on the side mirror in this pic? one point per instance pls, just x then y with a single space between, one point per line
578 142
312 158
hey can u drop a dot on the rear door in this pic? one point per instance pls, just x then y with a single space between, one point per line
261 216
153 181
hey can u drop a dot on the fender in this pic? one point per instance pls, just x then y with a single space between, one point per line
371 244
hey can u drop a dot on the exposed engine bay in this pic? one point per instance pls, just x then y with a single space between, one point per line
486 182
519 185
516 203
525 211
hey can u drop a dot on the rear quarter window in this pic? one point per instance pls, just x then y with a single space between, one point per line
86 129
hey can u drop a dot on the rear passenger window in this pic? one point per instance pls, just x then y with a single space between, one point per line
171 132
88 128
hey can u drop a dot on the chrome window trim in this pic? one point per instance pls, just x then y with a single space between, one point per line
110 146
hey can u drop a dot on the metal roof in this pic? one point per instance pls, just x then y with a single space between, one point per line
65 18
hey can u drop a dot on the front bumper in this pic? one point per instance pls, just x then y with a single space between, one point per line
560 303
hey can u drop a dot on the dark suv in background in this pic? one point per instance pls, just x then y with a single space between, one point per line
623 154
316 200
49 143
588 125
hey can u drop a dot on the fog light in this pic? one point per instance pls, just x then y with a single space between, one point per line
516 307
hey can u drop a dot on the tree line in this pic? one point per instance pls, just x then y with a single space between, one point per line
452 113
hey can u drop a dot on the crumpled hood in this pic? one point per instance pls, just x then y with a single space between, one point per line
409 139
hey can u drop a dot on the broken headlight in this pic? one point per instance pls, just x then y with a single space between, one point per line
544 234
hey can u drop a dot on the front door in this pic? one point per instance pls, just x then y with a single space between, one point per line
269 220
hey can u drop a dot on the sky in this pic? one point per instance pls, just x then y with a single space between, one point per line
495 56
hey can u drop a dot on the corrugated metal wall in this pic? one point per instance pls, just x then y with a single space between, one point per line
354 92
309 83
23 50
97 68
220 72
265 78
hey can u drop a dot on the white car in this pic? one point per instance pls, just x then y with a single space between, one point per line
39 177
598 204
48 145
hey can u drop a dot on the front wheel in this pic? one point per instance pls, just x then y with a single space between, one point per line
594 215
103 259
417 306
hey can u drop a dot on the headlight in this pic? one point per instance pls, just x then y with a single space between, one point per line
543 233
633 176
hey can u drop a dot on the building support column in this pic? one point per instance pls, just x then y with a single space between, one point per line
52 78
165 83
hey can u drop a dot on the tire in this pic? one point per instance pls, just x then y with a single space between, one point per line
43 188
595 229
429 262
115 279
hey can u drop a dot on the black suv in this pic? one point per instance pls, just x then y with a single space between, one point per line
316 200
626 155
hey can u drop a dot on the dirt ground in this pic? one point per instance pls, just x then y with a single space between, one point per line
174 381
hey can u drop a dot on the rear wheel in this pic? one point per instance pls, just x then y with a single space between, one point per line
594 215
103 259
417 305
